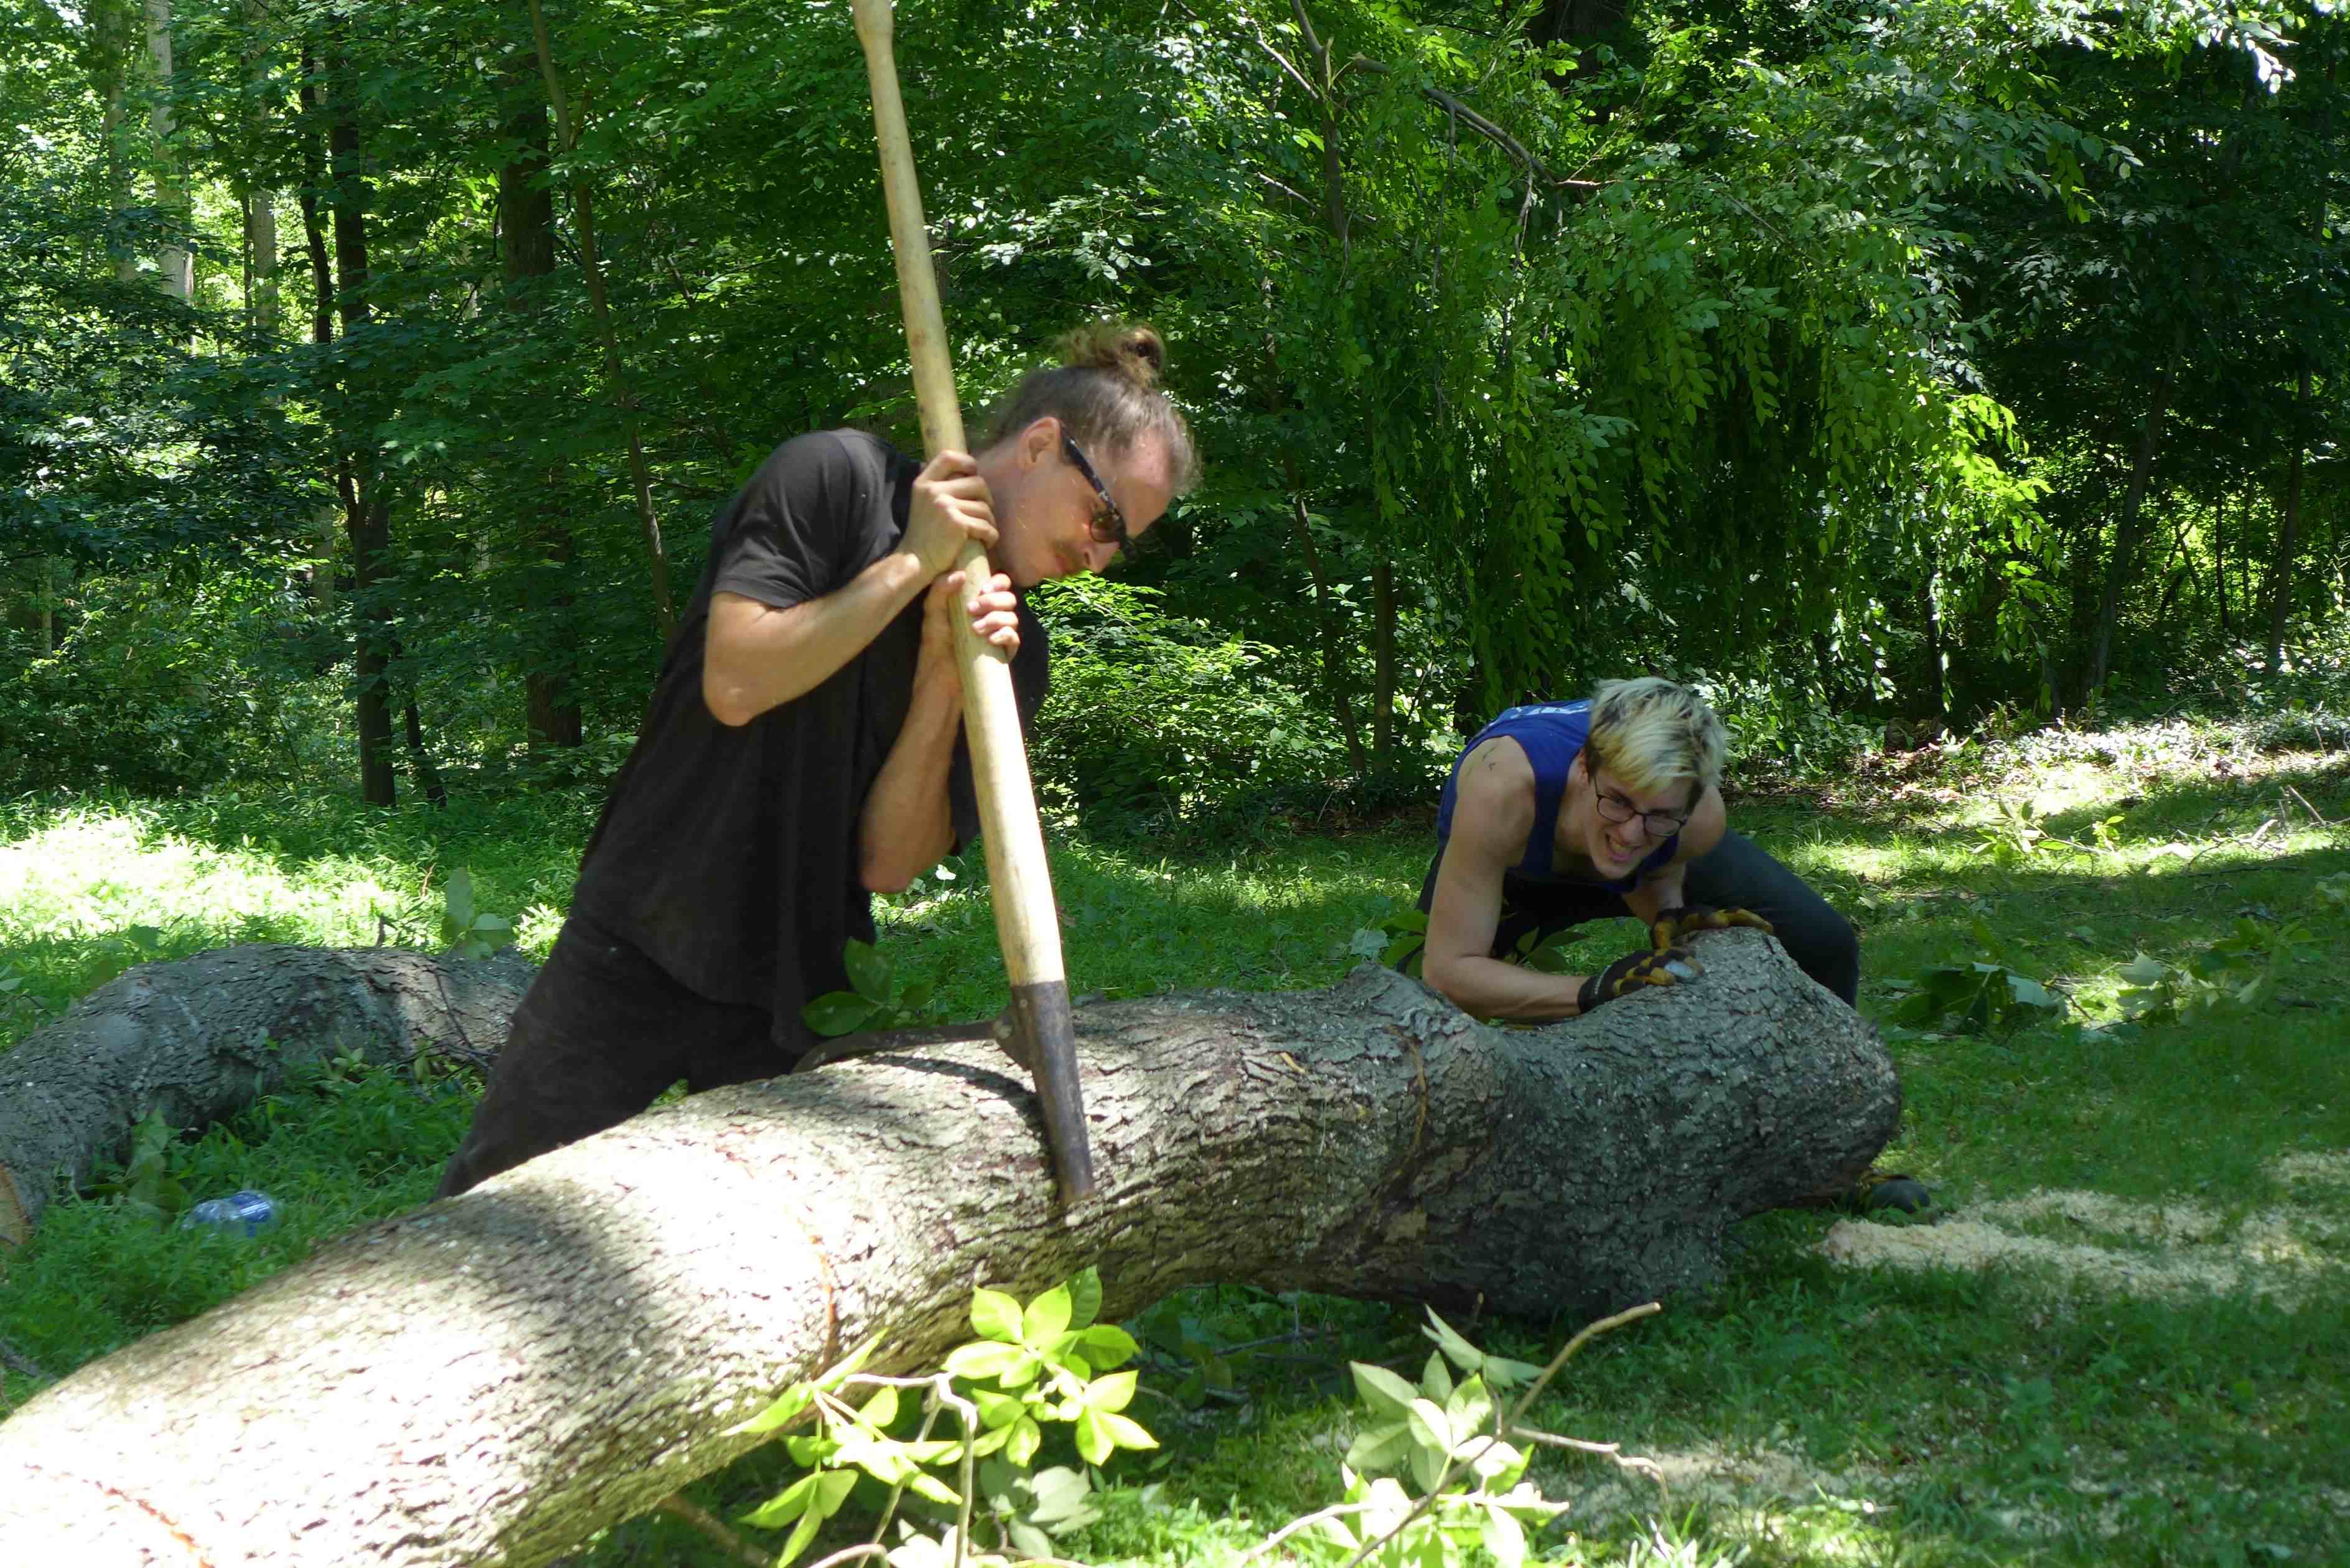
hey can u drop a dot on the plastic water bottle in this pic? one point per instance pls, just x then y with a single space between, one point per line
244 1213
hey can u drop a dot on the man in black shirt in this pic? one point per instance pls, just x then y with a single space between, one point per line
803 748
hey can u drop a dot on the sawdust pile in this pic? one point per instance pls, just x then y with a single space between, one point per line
2175 1249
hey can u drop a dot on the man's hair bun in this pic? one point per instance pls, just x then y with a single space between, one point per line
1105 391
1137 353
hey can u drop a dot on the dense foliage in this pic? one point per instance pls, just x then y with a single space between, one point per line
1927 359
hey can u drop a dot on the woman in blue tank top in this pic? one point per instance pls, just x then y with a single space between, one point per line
1558 814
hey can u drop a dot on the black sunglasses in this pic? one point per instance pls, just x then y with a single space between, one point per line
1108 526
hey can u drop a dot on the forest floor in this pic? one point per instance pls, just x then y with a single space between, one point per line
2113 968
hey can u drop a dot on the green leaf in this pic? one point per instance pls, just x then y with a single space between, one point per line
1048 1318
1106 1345
1429 1425
1058 1490
1126 1432
1463 1354
1380 1447
881 1409
1383 1391
994 1315
884 1460
1094 1443
1026 1438
1111 1393
837 1012
925 1485
982 1359
2030 992
458 899
1085 1298
1436 1378
1427 1466
1469 1407
2144 969
997 1410
794 1400
1031 1541
785 1506
1503 1537
868 971
1503 1373
802 1533
848 1366
933 1451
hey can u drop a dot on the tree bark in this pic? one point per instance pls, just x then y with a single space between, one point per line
201 1038
261 299
491 1379
175 264
551 713
366 501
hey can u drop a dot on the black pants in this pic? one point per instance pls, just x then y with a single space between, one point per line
602 1032
1738 874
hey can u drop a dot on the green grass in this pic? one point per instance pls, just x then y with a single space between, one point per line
2009 1406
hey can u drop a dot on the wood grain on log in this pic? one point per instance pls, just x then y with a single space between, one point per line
201 1038
491 1379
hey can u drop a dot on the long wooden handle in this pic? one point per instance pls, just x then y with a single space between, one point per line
1027 924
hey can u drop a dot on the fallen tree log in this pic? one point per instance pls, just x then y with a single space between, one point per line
491 1379
201 1038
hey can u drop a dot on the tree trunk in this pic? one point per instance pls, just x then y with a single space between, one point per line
175 263
201 1038
527 249
493 1379
2127 529
366 502
117 179
261 242
261 199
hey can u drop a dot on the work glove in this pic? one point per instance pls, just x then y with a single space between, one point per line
1674 927
1669 967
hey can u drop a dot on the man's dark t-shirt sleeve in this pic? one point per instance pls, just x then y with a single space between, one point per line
730 855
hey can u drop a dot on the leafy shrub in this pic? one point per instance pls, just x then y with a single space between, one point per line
157 685
1156 712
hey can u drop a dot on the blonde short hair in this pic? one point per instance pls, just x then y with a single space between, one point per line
1651 734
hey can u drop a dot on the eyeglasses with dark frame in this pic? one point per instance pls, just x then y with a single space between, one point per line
1657 824
1108 526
